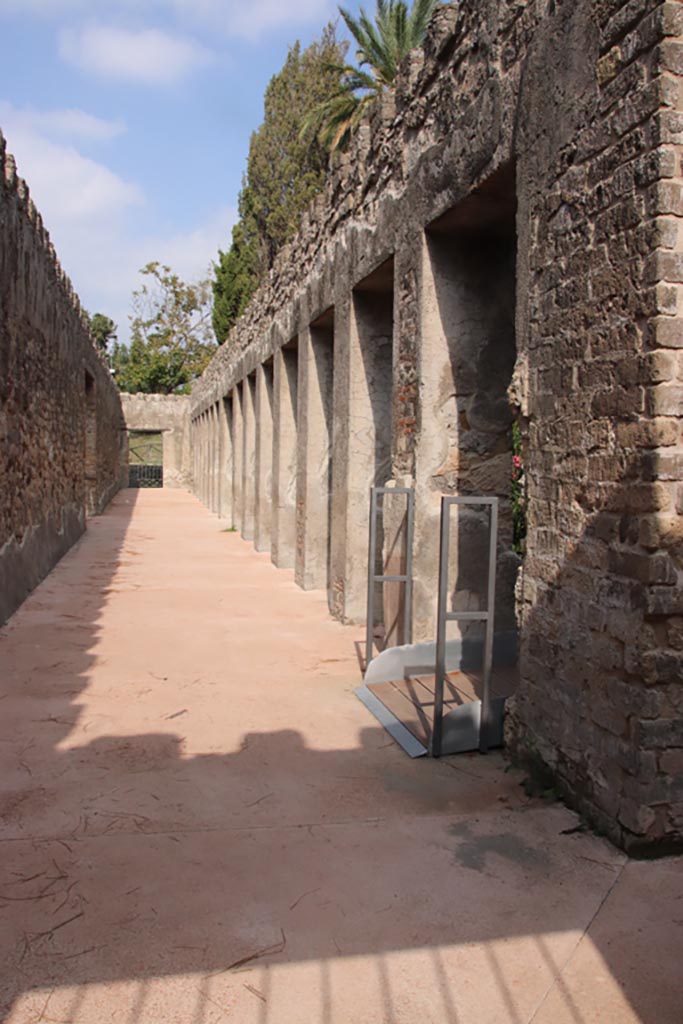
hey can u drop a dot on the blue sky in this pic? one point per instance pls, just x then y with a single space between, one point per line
130 121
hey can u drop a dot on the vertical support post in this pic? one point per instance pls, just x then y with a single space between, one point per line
372 555
442 611
284 456
226 461
408 599
485 722
249 465
210 453
384 577
314 456
238 456
264 456
202 442
217 458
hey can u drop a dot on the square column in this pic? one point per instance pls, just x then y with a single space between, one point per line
202 458
215 458
249 456
315 398
264 456
238 456
362 434
285 373
210 441
225 469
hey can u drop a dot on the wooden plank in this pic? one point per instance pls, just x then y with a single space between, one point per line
411 701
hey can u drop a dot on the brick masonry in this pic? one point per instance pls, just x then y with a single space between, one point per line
61 425
574 111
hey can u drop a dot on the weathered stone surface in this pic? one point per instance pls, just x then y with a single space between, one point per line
61 425
169 415
525 193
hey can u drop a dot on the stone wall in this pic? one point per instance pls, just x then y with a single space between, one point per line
60 416
510 223
169 415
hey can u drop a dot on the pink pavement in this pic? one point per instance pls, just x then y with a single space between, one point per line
200 823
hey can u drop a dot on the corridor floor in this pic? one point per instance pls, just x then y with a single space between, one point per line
200 823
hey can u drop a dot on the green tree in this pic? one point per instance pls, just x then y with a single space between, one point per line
103 330
284 172
382 45
237 273
171 341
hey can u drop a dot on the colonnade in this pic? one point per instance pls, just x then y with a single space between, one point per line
397 379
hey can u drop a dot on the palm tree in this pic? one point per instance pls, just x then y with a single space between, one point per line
382 45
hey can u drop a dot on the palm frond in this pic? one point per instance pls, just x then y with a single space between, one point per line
382 43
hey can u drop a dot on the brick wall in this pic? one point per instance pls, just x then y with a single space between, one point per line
60 415
576 105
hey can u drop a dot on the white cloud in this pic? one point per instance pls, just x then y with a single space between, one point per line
150 56
88 211
106 271
61 124
242 18
251 20
67 186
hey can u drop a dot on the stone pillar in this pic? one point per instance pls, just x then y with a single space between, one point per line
264 456
226 461
284 456
315 397
209 458
200 434
193 451
215 458
249 457
205 458
238 457
362 434
205 468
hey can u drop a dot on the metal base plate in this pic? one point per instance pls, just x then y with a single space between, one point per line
391 723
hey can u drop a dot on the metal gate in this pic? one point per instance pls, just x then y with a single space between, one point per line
145 458
145 476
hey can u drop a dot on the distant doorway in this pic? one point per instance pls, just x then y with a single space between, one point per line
145 459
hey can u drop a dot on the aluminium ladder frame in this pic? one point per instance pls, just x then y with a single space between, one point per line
444 617
406 578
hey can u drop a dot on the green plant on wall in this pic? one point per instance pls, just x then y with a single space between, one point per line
518 493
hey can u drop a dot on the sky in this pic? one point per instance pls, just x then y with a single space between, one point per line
130 121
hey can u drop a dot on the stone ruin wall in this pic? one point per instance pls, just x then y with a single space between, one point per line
540 145
170 416
60 414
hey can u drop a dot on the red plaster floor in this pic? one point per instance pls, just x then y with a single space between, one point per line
200 823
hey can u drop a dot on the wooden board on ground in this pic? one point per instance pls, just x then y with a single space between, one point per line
411 701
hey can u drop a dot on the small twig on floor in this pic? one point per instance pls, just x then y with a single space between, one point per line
49 932
259 801
279 947
308 893
177 714
47 1001
67 896
30 878
28 899
83 952
255 992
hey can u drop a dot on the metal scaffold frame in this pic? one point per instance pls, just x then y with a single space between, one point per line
444 616
405 578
